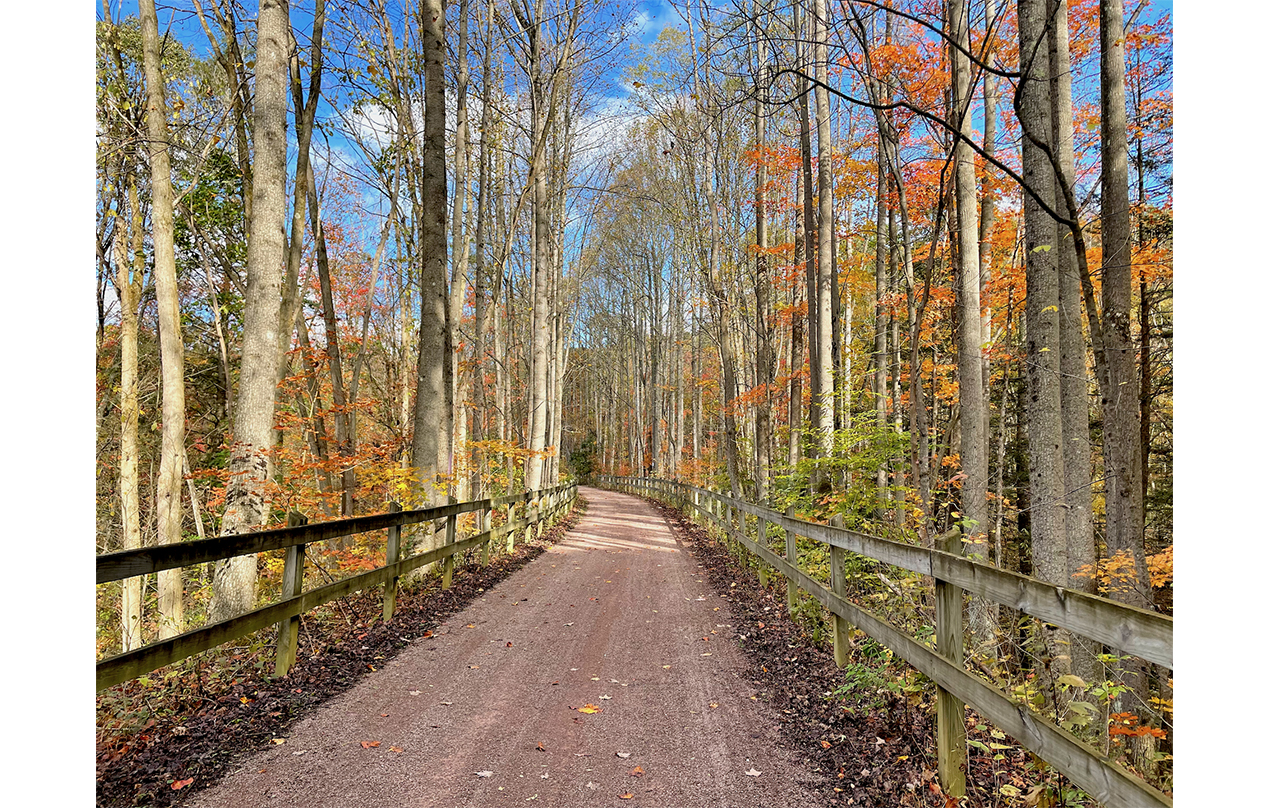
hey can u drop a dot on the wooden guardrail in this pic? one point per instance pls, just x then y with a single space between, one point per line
1133 631
541 508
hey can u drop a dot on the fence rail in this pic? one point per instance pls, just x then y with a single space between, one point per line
1131 630
541 508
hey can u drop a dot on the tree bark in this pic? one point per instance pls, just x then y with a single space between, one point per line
246 509
430 383
1044 411
171 349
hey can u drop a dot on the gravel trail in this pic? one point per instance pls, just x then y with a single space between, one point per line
617 616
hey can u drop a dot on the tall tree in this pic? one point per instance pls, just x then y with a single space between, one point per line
246 508
430 385
172 349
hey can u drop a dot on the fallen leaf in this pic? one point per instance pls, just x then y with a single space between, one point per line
623 754
825 744
395 749
180 784
473 667
667 667
278 741
714 704
427 634
415 692
383 715
244 699
509 645
638 771
445 703
541 748
590 708
301 752
754 772
606 697
369 744
625 796
707 653
484 774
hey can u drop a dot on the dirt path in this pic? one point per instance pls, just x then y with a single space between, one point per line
616 616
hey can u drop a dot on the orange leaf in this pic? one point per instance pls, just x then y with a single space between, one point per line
628 795
825 744
638 771
369 744
541 748
180 784
395 749
590 708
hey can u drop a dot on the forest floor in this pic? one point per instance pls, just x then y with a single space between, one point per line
627 661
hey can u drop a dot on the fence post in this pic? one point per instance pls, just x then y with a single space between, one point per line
451 528
529 526
511 533
950 712
486 526
791 555
391 556
761 540
838 583
292 585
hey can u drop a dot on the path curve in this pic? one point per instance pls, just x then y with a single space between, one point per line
615 615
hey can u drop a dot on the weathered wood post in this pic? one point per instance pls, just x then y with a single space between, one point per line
838 583
529 526
511 532
391 556
950 712
292 585
761 540
486 527
451 528
791 555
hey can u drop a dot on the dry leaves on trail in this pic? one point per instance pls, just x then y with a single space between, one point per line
627 796
623 755
485 774
180 784
638 771
825 744
395 749
754 772
541 748
589 709
369 744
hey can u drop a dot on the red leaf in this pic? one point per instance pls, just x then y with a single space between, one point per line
180 784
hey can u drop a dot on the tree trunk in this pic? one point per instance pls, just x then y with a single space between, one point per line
1044 411
430 386
246 509
1081 552
171 348
128 285
970 386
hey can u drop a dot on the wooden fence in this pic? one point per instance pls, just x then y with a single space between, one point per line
1131 630
541 508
